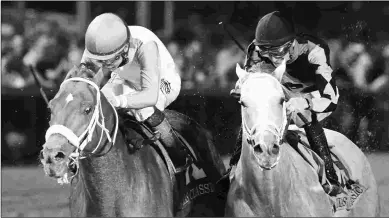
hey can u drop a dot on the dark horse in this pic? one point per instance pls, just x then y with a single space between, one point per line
109 177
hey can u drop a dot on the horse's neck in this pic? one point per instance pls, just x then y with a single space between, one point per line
97 172
274 187
117 165
97 179
119 180
290 184
267 183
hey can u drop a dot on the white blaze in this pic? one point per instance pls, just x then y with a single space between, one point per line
69 98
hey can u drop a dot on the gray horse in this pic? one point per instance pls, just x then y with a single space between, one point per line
272 178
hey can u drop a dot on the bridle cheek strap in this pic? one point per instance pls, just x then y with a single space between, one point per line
80 142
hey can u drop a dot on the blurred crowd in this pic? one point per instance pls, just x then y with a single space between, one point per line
45 42
362 75
206 59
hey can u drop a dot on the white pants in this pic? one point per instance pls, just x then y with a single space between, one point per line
168 92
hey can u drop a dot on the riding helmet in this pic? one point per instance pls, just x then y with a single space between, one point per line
106 36
274 30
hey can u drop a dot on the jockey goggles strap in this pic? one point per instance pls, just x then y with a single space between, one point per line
277 51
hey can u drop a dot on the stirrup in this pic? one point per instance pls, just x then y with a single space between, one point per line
149 141
189 161
332 189
156 136
224 176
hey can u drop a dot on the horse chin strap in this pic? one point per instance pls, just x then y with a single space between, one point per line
81 141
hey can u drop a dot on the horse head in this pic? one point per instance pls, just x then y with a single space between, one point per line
264 118
81 123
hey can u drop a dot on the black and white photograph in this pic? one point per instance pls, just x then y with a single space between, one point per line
194 108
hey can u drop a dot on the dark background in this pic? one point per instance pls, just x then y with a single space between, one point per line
206 57
23 110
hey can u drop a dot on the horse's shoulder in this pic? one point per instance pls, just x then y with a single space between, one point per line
186 126
181 122
339 141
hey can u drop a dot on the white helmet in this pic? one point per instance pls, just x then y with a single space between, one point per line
107 35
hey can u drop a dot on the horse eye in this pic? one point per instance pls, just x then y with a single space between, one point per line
88 110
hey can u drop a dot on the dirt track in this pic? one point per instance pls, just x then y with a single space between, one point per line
27 192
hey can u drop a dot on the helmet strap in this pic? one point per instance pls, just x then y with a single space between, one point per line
124 55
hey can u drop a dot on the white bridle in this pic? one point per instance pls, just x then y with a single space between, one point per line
97 114
255 133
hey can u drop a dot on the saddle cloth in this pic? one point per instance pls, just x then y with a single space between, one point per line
196 185
343 202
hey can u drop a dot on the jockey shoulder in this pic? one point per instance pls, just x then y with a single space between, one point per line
133 52
306 57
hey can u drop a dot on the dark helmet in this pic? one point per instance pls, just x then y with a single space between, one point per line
274 30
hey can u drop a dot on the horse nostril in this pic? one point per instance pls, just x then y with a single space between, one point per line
258 149
41 157
59 156
276 149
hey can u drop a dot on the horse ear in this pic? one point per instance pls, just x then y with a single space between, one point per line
280 70
239 71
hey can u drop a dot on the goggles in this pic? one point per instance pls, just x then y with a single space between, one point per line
110 61
275 51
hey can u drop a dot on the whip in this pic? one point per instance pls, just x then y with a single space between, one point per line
38 83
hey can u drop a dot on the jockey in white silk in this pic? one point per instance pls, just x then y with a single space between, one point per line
141 74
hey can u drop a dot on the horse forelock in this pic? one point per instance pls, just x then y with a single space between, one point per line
258 85
262 67
77 89
85 70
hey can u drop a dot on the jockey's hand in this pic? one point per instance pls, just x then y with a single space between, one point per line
298 104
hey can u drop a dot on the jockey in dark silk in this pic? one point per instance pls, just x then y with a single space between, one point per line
308 77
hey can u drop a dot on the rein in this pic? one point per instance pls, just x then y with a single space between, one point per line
80 142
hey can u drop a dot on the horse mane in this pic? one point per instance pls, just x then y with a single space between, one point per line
84 70
262 67
266 67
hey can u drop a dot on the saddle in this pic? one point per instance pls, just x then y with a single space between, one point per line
352 191
137 135
196 181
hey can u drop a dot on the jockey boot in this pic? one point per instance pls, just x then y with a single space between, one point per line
131 136
318 141
173 145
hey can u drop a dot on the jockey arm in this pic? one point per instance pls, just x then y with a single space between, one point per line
150 78
329 93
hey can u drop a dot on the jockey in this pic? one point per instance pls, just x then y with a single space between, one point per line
308 76
140 76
